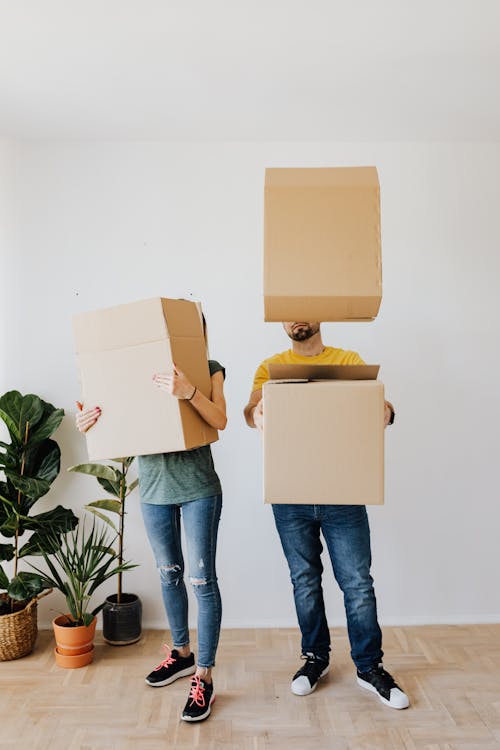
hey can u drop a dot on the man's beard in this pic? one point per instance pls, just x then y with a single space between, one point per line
302 334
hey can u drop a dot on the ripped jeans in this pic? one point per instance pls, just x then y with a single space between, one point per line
163 527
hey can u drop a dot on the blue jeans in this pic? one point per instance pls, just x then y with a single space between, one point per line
347 535
201 522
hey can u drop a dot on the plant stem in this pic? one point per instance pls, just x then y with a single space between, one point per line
123 487
16 543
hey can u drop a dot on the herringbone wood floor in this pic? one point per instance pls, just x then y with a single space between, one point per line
452 674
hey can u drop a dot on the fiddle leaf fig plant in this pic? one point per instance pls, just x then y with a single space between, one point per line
30 462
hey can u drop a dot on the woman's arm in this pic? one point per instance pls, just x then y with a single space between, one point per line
213 410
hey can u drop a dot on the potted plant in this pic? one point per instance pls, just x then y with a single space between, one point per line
30 463
122 613
83 562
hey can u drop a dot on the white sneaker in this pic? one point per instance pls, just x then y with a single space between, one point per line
382 683
306 679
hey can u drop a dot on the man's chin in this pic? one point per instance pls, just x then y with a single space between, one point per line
302 334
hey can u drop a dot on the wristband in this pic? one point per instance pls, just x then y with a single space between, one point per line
192 395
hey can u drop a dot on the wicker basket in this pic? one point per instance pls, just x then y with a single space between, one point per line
19 630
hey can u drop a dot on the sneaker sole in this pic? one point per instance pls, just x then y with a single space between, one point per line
176 676
367 686
202 717
323 673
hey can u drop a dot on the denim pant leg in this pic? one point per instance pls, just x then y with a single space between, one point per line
201 522
347 535
299 531
162 524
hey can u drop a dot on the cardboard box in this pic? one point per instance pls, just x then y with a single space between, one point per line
119 349
322 247
324 438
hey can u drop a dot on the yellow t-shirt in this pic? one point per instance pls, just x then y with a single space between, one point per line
329 356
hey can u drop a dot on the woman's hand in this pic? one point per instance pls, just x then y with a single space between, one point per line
175 383
86 418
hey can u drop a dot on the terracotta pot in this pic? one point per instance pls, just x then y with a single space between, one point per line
75 661
71 641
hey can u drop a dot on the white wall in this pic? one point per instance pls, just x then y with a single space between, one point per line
5 167
98 224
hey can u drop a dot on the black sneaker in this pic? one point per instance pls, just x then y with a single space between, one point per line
305 680
381 682
171 668
201 697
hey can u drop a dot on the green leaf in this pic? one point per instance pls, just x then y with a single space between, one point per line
38 543
133 485
56 521
29 486
56 581
97 609
10 409
4 581
43 460
127 460
30 414
10 525
89 616
49 423
6 551
101 471
17 411
26 586
112 487
7 493
102 517
4 445
114 506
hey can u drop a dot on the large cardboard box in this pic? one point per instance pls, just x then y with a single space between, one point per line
324 435
119 349
322 247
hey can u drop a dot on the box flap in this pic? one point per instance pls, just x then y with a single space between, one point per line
319 177
323 372
121 326
136 323
183 318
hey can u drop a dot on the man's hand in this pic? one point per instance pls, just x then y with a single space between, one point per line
175 383
388 413
258 415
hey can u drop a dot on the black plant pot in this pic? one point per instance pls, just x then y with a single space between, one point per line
121 623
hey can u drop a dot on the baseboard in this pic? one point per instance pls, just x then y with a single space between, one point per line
388 621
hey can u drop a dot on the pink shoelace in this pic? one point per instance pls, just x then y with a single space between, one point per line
167 661
197 692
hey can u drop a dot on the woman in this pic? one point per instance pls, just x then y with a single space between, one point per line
184 484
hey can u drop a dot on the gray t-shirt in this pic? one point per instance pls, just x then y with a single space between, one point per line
174 478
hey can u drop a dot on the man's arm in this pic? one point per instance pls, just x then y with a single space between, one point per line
252 414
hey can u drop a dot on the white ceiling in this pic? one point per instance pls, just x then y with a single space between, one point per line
261 70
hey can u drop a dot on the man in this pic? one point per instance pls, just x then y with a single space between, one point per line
347 535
